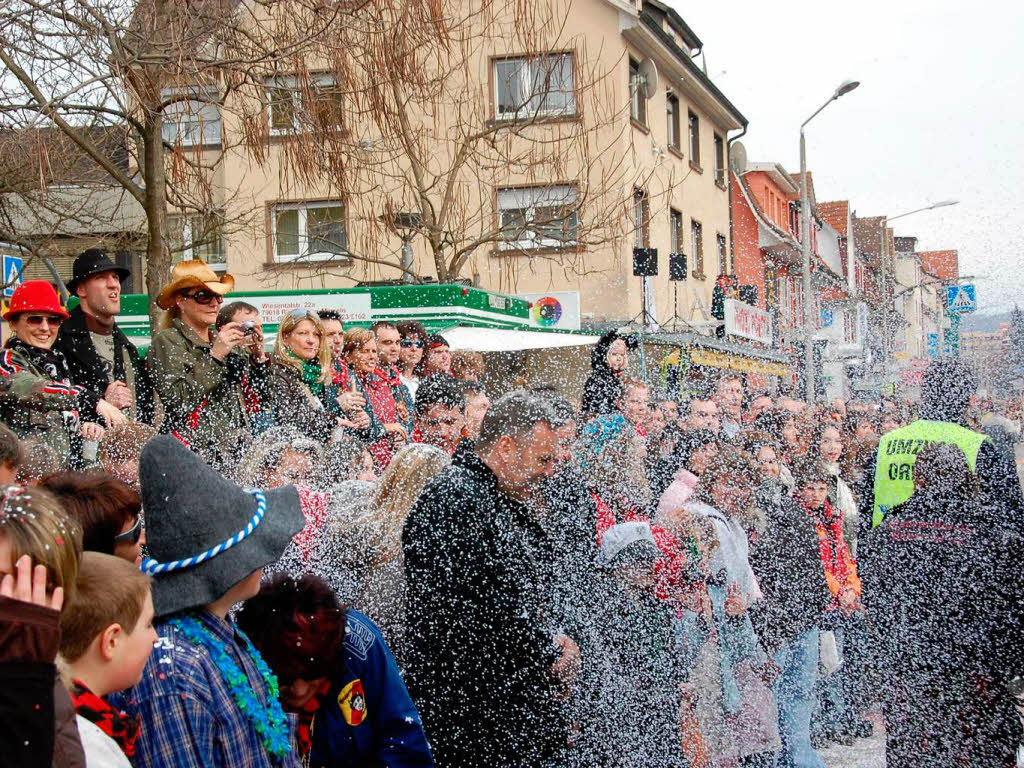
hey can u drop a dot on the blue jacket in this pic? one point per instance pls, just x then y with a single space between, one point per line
367 717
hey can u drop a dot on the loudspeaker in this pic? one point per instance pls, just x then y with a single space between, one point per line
748 294
677 266
645 262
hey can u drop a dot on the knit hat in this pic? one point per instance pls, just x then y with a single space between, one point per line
204 533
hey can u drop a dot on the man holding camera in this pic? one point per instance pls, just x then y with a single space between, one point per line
99 355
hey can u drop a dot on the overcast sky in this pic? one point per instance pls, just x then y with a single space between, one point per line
939 113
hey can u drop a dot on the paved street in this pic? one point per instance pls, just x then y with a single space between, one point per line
865 753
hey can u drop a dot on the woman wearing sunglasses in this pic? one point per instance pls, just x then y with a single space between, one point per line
109 512
37 398
214 384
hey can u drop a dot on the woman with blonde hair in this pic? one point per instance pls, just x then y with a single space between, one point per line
365 538
305 395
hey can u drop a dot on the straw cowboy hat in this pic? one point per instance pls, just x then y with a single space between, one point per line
193 274
205 534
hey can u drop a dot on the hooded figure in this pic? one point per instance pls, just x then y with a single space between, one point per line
603 387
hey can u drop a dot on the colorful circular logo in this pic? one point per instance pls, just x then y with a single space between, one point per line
547 311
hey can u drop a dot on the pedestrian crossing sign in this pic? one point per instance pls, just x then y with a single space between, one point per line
960 299
12 266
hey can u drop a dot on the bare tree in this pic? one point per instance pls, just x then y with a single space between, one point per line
432 106
149 70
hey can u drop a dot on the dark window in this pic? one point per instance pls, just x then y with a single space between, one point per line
694 123
676 235
641 219
719 160
672 118
723 256
637 102
697 245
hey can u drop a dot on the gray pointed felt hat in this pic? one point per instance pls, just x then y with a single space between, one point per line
190 511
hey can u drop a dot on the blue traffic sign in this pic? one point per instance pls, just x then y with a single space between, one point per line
12 266
960 299
932 344
827 317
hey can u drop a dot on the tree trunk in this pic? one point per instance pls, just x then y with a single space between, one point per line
158 252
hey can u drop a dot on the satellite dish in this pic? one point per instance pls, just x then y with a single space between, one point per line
648 78
738 157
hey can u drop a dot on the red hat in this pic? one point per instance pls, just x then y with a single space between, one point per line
35 296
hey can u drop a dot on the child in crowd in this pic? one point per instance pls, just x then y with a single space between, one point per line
106 637
34 529
206 698
640 674
812 486
337 675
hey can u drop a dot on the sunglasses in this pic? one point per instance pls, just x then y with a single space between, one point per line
38 320
302 314
411 343
205 297
132 535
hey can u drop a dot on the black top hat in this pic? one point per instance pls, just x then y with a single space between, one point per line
92 262
204 533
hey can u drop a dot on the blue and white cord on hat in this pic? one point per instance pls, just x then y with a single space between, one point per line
152 567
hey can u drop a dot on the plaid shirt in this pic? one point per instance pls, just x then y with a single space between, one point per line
189 719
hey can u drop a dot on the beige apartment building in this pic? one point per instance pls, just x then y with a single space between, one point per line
919 298
588 154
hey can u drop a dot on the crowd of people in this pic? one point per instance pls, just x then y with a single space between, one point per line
340 552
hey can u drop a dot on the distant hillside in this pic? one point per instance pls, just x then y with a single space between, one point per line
986 322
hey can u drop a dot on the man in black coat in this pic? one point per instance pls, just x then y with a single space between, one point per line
488 667
942 587
100 356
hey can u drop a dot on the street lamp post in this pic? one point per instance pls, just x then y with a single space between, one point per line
809 322
888 301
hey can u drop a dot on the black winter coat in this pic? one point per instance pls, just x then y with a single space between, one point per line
480 635
942 585
87 368
787 564
603 388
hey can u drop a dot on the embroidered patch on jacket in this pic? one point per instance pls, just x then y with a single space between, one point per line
358 637
352 702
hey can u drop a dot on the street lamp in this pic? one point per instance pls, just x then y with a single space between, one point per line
809 324
887 301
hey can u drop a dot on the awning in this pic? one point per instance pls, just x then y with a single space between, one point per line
742 363
510 340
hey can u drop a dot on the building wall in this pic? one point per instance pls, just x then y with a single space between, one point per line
617 150
748 264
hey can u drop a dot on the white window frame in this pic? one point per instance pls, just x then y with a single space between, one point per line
195 121
637 101
697 247
292 84
186 224
527 72
303 232
528 199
